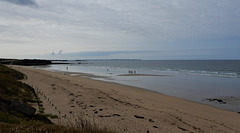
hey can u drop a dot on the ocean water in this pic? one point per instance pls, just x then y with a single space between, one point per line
195 80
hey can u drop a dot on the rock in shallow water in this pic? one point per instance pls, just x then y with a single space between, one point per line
217 100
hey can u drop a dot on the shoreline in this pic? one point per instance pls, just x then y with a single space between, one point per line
142 75
228 101
125 108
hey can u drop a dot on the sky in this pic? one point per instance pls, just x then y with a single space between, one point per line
120 29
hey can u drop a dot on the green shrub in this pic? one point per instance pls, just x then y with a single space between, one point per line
11 72
11 89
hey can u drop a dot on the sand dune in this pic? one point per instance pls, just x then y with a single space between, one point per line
124 108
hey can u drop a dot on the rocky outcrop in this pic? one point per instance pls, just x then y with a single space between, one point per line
23 108
11 106
5 105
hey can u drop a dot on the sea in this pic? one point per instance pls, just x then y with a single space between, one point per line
212 82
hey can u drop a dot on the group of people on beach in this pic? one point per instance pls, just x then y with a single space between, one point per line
129 71
132 71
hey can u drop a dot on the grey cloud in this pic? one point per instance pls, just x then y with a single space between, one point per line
120 24
23 2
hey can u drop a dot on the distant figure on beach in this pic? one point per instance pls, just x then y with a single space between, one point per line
67 68
135 72
130 72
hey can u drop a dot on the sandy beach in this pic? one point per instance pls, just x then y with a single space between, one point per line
124 108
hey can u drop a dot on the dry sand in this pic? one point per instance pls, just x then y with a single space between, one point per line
124 108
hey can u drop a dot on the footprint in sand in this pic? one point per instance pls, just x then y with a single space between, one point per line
139 117
118 115
150 120
78 96
71 94
104 116
182 129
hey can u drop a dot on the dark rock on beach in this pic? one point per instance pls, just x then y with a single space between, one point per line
216 100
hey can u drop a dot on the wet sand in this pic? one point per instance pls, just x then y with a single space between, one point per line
141 75
124 108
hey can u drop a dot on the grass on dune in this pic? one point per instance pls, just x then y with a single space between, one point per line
11 72
11 89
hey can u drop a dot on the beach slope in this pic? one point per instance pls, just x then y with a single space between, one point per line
124 108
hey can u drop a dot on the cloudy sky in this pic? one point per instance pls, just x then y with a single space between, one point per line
139 29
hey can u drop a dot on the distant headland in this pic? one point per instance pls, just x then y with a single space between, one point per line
25 62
